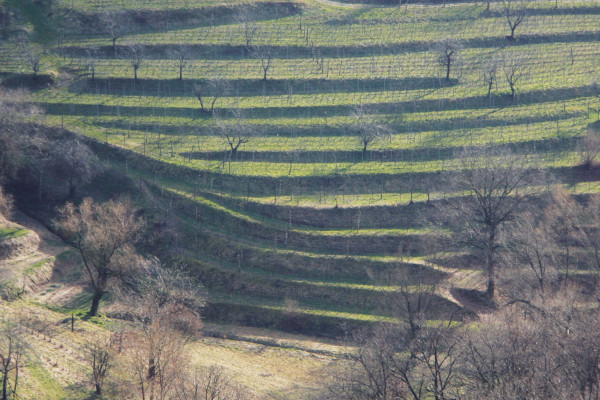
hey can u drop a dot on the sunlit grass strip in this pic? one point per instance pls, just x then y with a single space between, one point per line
372 32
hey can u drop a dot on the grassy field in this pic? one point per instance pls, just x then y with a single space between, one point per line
299 213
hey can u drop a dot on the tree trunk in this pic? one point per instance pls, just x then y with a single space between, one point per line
5 384
96 302
491 286
98 389
448 63
180 73
491 241
364 150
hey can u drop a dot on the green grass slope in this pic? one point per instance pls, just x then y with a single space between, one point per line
299 215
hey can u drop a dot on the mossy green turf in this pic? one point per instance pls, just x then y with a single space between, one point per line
327 61
12 233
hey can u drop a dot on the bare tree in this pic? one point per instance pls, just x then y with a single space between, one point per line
544 350
209 91
428 365
91 61
589 148
182 55
167 315
33 57
413 300
114 23
565 214
370 373
448 51
391 363
12 151
135 52
77 161
103 234
248 24
531 242
235 134
489 74
157 356
211 383
100 358
591 230
514 67
366 127
172 288
17 142
515 12
497 185
12 354
265 55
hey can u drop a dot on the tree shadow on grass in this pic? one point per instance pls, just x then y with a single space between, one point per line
26 81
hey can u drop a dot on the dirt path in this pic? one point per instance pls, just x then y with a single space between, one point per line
456 287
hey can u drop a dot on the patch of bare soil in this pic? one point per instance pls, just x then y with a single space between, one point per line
272 338
473 300
338 4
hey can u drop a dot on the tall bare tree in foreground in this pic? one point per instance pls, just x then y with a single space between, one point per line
165 306
370 373
497 184
104 235
12 353
101 360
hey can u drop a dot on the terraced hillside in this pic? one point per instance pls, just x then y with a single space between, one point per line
44 274
298 194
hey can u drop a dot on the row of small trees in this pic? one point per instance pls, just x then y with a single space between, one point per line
116 23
